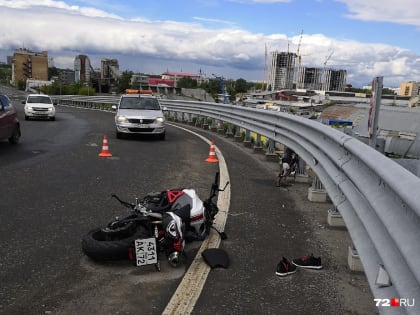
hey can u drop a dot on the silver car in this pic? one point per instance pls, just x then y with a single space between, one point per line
139 114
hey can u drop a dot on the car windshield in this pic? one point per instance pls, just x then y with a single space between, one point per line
139 103
39 99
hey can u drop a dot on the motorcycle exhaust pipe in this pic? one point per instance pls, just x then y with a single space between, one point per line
174 259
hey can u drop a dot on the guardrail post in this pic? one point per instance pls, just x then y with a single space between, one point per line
198 121
301 175
317 193
180 116
258 144
220 128
229 132
213 125
247 139
334 218
193 121
238 136
271 155
171 115
206 123
353 259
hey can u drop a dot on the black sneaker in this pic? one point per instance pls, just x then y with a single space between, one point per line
309 262
284 268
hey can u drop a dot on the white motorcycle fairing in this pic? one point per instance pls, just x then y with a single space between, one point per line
195 219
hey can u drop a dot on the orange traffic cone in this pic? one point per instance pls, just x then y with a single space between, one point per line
212 154
105 149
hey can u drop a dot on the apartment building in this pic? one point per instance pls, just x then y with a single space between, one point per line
27 64
411 88
82 69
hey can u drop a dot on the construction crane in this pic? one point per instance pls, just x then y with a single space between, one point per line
298 50
328 57
299 58
324 74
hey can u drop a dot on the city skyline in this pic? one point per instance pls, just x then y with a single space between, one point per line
231 38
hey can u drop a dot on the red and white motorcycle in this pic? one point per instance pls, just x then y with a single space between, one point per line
159 222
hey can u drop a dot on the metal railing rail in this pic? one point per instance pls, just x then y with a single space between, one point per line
378 199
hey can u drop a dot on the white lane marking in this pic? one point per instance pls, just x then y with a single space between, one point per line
189 290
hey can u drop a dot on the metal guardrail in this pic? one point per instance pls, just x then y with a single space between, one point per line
378 199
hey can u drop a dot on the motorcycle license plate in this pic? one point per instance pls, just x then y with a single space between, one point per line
146 252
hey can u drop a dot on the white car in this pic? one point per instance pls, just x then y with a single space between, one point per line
39 106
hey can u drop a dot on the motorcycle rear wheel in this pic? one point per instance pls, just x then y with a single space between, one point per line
100 245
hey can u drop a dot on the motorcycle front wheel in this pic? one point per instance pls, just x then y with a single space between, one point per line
101 245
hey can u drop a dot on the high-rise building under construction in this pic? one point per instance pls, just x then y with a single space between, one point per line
282 70
285 74
322 79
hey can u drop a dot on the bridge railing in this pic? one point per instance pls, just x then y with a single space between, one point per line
378 199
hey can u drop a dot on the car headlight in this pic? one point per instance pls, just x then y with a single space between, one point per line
28 108
50 110
160 120
121 119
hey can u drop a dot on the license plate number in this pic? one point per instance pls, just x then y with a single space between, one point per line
146 251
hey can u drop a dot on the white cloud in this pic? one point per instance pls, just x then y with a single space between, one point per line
402 11
150 46
48 4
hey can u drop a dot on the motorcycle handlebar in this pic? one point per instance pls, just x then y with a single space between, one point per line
124 203
215 186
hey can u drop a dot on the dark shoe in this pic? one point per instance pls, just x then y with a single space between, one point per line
284 268
309 262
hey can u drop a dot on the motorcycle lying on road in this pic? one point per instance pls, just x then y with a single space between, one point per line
159 222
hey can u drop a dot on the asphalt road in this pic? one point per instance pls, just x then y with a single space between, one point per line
55 188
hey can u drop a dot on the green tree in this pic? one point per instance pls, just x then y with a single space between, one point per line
124 81
188 83
231 91
86 90
53 72
211 86
5 74
386 91
21 85
241 86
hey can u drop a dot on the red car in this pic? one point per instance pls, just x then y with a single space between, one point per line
9 122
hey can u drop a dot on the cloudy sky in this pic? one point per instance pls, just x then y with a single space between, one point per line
227 38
